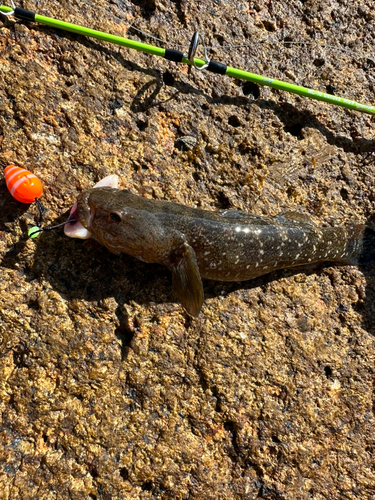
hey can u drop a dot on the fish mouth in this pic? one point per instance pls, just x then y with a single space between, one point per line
85 214
75 229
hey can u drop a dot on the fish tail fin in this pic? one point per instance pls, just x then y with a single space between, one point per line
354 245
367 253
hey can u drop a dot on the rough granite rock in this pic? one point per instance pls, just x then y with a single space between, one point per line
108 389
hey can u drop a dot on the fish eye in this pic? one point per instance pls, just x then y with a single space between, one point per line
115 216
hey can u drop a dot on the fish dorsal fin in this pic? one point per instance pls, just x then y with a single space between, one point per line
245 218
234 214
187 281
295 217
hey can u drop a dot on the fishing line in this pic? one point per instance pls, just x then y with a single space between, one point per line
34 231
285 43
179 57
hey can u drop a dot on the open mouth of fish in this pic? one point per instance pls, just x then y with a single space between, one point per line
75 229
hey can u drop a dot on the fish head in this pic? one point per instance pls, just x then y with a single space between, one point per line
76 229
104 216
122 222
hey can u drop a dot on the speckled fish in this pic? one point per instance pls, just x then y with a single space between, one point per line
195 244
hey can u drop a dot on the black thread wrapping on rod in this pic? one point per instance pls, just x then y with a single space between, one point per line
24 14
216 67
173 55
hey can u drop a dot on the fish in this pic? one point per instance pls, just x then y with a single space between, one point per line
196 244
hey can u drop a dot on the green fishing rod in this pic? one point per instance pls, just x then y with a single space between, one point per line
179 57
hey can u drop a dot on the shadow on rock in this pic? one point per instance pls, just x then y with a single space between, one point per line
83 269
367 308
295 120
11 209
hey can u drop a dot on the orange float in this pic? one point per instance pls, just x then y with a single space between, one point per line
23 185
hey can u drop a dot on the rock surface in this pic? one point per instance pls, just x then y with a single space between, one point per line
108 389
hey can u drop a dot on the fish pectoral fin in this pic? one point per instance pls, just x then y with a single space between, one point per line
187 281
